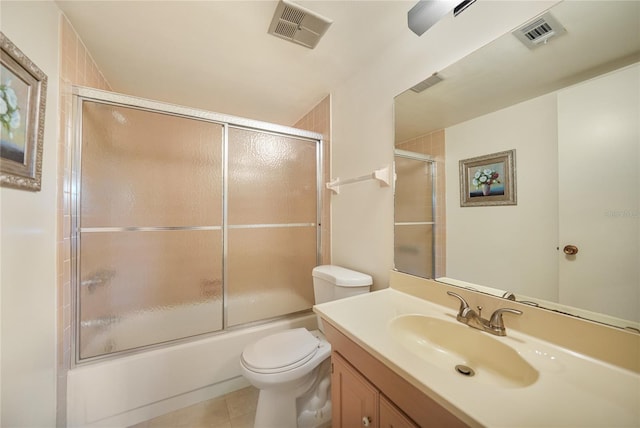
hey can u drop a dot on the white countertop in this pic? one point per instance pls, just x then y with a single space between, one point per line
572 390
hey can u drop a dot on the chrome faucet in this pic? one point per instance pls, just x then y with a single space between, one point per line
468 316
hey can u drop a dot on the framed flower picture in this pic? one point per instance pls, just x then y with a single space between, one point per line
488 180
23 89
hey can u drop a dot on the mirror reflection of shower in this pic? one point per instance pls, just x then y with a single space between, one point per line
415 213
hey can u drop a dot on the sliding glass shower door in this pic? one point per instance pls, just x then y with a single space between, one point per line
187 226
150 228
272 215
414 214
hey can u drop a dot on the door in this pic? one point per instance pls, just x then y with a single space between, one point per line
599 196
354 399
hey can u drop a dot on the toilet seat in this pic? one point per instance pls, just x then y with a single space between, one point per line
281 352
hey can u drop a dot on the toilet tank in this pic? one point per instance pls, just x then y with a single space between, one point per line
334 282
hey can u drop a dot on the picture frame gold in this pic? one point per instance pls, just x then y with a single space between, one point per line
488 180
23 92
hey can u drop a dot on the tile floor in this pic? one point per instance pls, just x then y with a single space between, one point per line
234 410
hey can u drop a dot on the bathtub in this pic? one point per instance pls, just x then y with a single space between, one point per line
130 389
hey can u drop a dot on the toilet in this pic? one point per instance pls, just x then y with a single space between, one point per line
292 368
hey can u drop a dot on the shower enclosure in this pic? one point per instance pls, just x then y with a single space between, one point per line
414 227
186 222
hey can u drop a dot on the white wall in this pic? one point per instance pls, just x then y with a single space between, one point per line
508 247
362 124
28 244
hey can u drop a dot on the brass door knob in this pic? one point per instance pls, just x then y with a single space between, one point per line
570 250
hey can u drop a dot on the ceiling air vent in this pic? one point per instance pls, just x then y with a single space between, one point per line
539 31
426 83
298 25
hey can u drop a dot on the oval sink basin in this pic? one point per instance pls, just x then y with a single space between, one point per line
450 344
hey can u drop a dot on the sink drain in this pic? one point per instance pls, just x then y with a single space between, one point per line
465 370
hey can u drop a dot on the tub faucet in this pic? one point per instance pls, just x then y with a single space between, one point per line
468 316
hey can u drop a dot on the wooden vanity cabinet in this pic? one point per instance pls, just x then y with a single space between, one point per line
367 393
357 403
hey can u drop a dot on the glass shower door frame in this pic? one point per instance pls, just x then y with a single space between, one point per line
428 159
81 95
229 227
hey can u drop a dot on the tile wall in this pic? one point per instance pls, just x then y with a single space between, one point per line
319 120
77 67
433 144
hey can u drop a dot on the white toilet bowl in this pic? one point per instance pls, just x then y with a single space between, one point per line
291 369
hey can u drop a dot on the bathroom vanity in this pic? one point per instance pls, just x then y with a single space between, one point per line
365 392
402 360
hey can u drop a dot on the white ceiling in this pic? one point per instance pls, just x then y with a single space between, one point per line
217 55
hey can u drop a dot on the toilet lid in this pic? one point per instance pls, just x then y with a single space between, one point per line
281 351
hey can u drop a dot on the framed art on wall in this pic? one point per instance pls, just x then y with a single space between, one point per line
23 89
488 180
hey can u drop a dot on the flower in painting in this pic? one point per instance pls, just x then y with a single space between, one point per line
15 119
485 176
9 110
11 97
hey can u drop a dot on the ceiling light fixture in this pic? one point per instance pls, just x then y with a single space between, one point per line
426 13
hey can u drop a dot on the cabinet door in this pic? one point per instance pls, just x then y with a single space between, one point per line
354 399
392 417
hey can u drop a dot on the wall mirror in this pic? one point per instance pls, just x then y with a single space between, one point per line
568 104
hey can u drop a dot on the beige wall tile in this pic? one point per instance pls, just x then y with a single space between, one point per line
319 120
